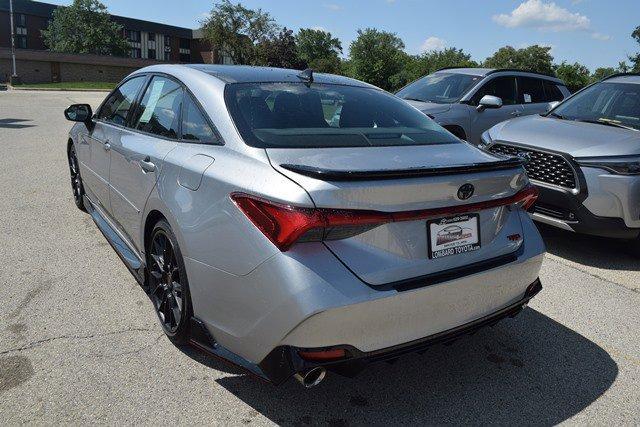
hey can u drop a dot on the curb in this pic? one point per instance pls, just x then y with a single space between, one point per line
55 89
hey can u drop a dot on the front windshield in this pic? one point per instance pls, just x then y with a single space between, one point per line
297 115
441 88
606 103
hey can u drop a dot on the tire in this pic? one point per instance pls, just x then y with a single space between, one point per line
76 180
167 283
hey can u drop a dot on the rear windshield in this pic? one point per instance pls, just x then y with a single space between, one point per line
441 88
297 115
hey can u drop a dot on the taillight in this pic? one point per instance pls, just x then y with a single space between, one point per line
528 197
285 225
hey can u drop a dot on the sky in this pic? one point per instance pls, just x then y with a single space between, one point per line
595 33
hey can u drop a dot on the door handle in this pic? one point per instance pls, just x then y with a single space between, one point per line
107 146
147 165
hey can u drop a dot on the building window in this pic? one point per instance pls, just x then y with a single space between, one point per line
21 31
151 53
152 37
21 20
21 42
136 52
167 55
185 57
185 44
133 35
167 40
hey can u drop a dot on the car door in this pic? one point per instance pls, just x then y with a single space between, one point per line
504 87
137 155
109 120
532 96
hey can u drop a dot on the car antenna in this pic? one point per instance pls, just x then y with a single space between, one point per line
306 76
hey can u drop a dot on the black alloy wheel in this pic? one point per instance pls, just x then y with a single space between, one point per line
76 179
168 288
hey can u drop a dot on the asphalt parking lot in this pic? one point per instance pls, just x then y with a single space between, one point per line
79 341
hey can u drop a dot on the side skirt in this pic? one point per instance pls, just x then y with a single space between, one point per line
127 254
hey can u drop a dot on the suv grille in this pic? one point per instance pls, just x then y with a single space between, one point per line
545 167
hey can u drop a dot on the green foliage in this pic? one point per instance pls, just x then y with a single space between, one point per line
239 31
601 73
376 56
575 76
534 58
280 51
416 66
85 27
635 59
319 50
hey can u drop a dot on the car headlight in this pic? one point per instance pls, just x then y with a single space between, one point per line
485 139
620 165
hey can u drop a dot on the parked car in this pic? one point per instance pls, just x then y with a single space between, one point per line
584 156
468 101
271 233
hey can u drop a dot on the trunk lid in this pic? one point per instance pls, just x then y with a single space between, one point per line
406 178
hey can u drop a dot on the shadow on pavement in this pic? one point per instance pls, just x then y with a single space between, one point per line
612 254
529 370
14 124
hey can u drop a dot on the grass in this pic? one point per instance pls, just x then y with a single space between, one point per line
69 85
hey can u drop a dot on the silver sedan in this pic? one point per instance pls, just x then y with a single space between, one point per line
297 223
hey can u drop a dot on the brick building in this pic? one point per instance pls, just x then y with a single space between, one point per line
150 42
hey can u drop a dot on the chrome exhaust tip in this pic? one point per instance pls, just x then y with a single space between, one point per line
312 377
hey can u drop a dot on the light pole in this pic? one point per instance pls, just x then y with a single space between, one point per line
14 75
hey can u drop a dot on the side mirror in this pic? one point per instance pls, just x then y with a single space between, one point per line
489 101
552 105
79 113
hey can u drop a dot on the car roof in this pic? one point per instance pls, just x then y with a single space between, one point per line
253 74
483 72
623 78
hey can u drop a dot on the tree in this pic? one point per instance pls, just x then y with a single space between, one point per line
534 58
635 59
601 73
319 49
375 56
280 51
85 27
238 30
575 76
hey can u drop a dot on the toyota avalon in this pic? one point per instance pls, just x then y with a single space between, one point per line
296 223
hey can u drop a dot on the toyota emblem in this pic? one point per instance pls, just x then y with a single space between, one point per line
465 191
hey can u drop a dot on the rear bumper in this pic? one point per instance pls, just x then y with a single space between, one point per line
284 361
308 299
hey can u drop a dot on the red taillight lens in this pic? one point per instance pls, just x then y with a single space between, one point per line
284 225
528 197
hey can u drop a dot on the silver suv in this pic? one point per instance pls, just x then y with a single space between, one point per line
584 156
468 101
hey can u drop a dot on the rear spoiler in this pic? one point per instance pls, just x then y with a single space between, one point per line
364 175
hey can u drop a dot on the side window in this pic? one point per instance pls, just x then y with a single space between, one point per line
116 108
552 91
531 90
159 111
194 126
502 87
